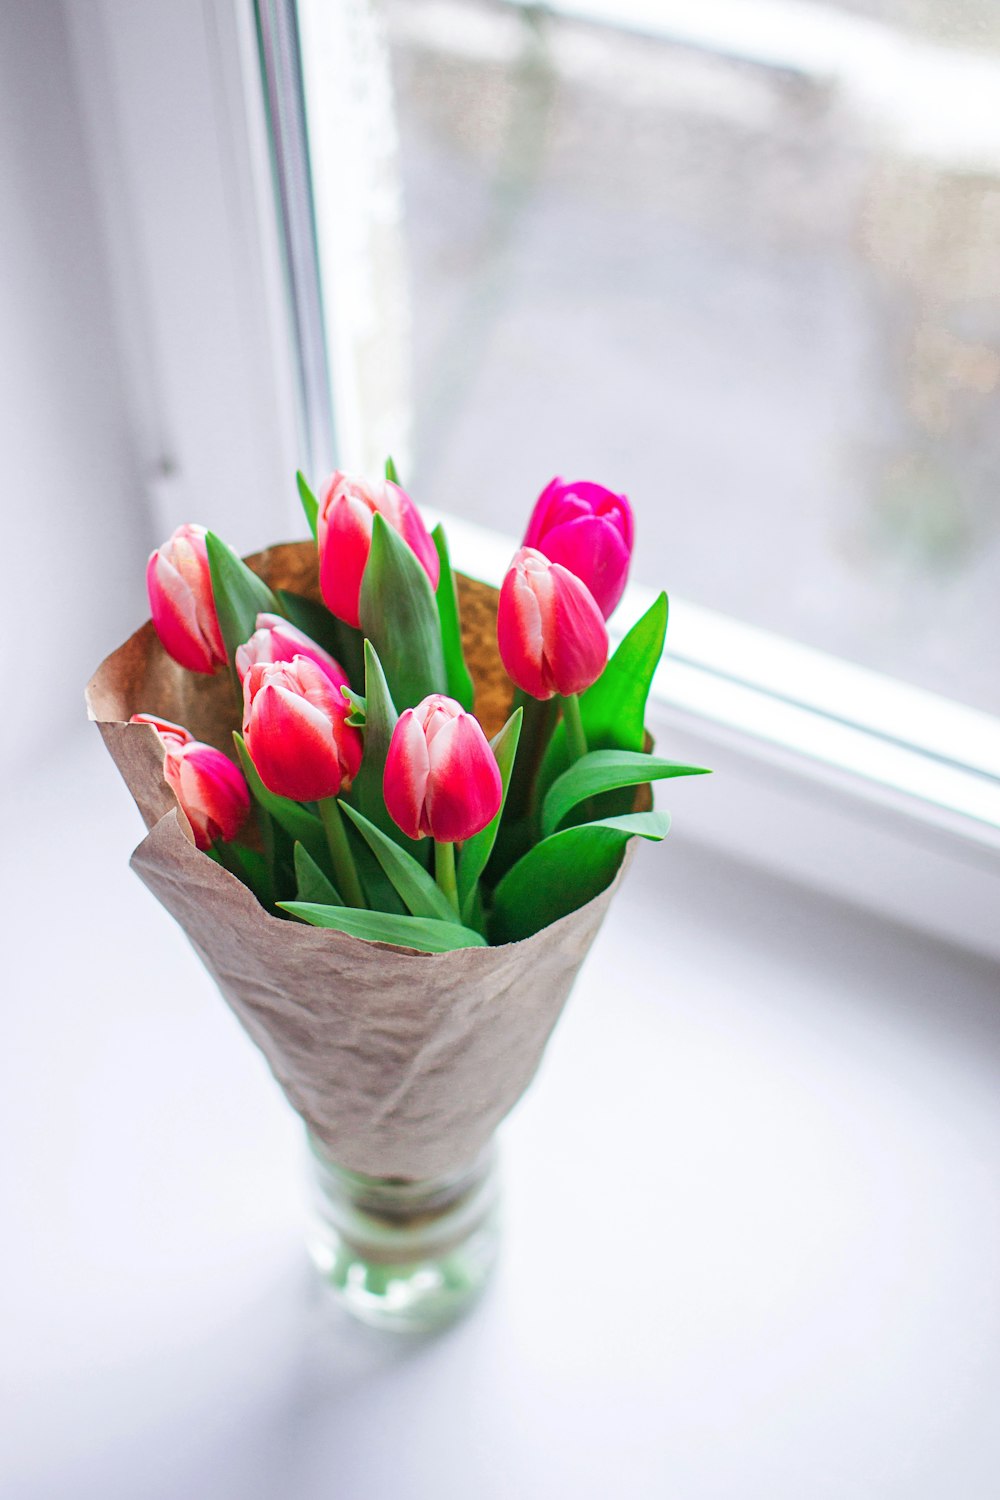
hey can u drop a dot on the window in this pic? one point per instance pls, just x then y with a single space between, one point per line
740 259
724 258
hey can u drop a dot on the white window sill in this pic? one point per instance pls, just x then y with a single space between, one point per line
752 1218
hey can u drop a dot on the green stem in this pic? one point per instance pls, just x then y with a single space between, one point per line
539 720
234 678
444 871
576 739
226 858
344 872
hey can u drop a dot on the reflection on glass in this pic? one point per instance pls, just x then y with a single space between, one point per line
741 262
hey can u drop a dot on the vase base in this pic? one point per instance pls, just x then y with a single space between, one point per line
399 1255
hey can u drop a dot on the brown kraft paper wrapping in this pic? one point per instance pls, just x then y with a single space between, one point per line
401 1063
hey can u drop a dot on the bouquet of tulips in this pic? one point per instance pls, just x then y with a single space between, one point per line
388 804
363 793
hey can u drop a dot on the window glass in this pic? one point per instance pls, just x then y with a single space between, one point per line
738 258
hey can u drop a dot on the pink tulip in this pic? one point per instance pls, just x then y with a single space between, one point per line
551 634
590 531
344 534
179 585
210 789
276 640
441 777
294 724
170 734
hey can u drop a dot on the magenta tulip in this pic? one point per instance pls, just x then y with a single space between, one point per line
589 530
276 640
294 724
212 791
179 584
344 535
441 777
551 634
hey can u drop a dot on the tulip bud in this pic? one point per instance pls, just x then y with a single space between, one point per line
179 584
441 777
551 634
294 724
344 535
589 530
210 789
170 734
277 640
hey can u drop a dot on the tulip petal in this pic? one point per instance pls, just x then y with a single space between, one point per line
413 531
599 551
345 539
593 549
191 558
407 765
347 509
296 731
521 633
179 584
287 642
210 790
190 555
539 522
291 744
463 787
175 615
170 733
577 649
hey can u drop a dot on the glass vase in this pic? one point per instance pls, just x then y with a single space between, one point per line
400 1254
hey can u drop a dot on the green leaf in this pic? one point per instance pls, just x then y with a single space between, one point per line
390 470
312 883
292 816
419 892
518 830
459 682
309 502
605 771
474 913
343 642
565 871
240 596
614 709
249 866
399 616
423 933
366 793
358 716
278 846
380 721
477 850
540 718
379 890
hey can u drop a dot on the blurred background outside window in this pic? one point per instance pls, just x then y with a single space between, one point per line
738 258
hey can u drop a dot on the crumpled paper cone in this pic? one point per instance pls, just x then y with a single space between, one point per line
401 1063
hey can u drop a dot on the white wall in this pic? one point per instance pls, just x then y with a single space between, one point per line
75 525
174 114
145 369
